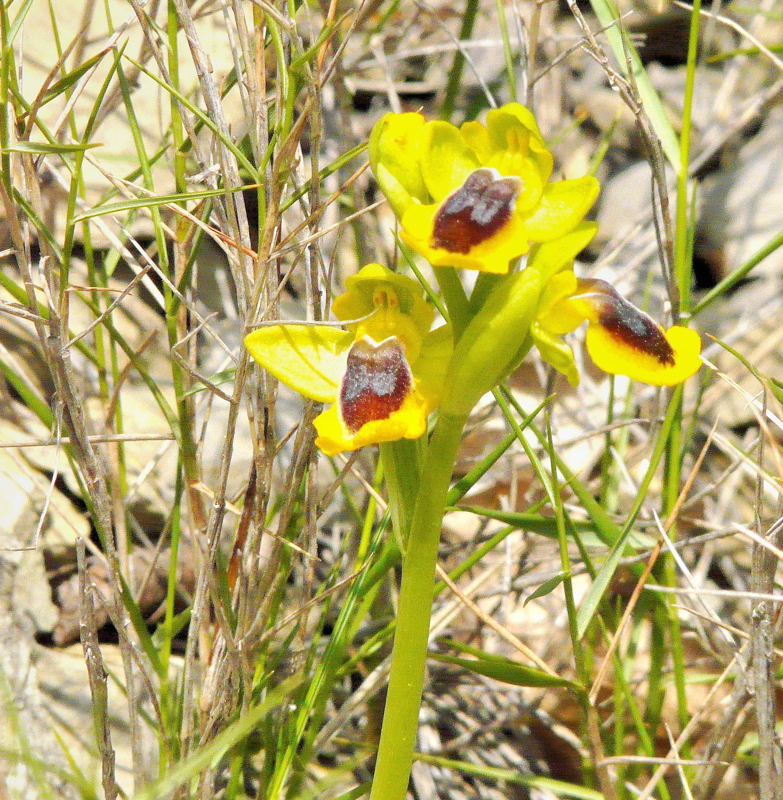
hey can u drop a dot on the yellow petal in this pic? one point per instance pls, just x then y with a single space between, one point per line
557 313
518 147
520 113
308 358
476 136
562 207
360 297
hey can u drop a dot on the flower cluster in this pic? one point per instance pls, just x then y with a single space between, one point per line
476 197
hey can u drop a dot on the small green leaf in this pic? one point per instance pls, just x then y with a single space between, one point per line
547 587
219 378
67 81
49 148
178 622
508 671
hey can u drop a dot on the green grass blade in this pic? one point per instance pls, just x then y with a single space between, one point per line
507 671
620 44
70 79
514 777
736 275
210 754
604 576
45 148
157 201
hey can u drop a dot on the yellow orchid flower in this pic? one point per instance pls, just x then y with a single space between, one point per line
621 339
478 196
383 375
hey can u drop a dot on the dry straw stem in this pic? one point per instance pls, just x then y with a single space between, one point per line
629 92
96 672
52 337
764 566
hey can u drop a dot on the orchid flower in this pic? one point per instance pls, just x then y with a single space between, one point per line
621 339
383 375
477 196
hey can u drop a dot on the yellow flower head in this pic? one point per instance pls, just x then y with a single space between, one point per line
477 196
383 375
621 339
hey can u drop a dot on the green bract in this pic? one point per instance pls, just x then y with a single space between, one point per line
493 343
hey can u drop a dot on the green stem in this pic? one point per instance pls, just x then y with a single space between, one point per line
456 300
454 84
406 681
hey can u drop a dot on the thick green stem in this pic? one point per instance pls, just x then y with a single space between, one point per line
406 681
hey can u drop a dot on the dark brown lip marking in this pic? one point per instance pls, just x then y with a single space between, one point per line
477 210
626 322
376 381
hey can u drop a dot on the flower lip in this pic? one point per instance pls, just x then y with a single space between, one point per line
624 321
376 382
476 211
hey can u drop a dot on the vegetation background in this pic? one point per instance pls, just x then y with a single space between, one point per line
192 602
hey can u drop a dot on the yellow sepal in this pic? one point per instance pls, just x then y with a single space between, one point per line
429 370
556 353
395 157
308 358
549 258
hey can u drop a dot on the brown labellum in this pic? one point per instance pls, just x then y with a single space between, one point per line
626 322
376 381
476 211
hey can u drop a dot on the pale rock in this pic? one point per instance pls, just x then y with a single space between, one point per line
741 204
